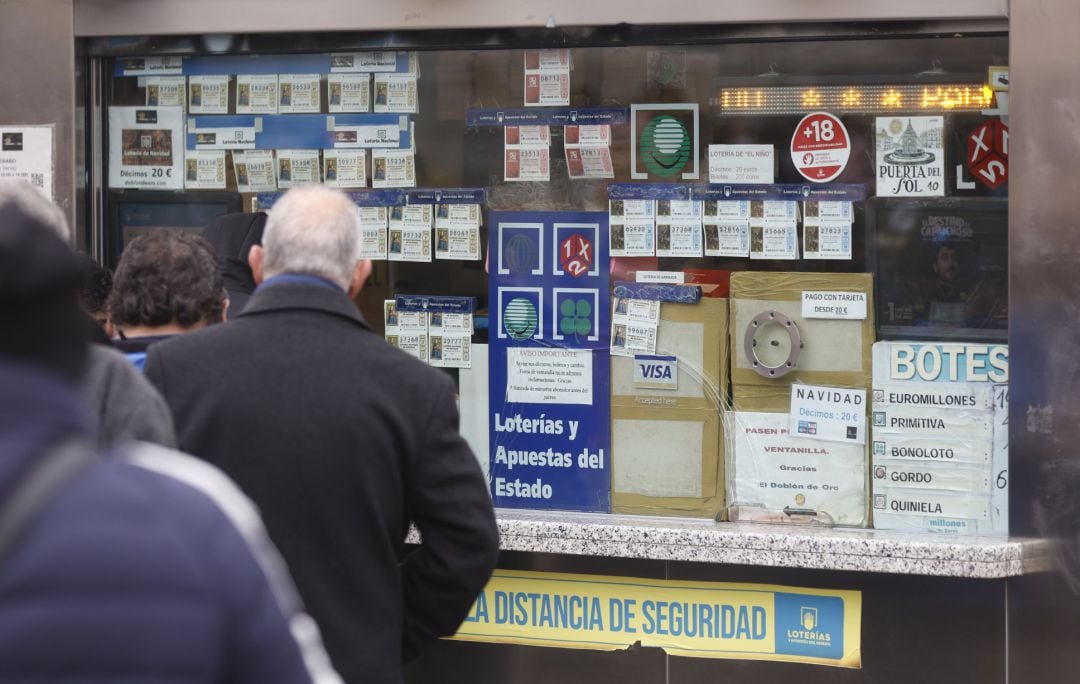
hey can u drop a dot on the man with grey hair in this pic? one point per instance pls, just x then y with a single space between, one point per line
341 440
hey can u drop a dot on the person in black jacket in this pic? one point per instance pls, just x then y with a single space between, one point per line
137 564
233 236
341 440
167 283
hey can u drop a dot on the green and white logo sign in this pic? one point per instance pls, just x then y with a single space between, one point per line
519 319
667 141
665 146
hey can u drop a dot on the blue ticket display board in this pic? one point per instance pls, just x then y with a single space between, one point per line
550 373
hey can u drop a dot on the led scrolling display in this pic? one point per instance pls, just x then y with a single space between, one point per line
778 100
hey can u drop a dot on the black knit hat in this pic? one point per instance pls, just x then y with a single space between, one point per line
40 319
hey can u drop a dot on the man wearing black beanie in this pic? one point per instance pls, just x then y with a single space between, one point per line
105 561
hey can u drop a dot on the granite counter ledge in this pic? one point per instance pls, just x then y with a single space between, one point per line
704 541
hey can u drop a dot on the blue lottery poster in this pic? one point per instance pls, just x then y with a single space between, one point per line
549 367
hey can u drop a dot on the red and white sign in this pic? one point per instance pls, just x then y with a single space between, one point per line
988 154
820 147
576 255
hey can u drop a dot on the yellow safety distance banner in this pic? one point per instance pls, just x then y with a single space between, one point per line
696 619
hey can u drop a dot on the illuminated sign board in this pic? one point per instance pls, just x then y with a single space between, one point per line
864 99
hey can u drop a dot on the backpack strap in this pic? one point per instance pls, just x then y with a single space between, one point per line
39 487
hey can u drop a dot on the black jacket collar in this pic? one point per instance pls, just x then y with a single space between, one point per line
279 297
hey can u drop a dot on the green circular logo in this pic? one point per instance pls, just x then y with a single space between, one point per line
519 319
665 146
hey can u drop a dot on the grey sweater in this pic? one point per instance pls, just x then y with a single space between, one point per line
127 406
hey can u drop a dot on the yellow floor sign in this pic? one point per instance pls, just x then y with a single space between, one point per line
697 619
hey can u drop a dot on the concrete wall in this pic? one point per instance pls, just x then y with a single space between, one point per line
37 49
150 17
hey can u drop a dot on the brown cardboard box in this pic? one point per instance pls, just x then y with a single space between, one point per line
667 445
836 353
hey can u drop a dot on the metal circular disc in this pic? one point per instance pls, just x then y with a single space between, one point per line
758 322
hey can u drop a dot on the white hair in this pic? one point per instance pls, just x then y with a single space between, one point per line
31 202
314 230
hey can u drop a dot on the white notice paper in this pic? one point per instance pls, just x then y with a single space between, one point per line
778 470
298 94
547 78
164 91
741 164
678 238
827 240
349 92
632 237
255 171
26 154
845 306
727 239
204 170
527 164
393 169
589 162
372 232
549 376
345 168
146 147
830 414
208 95
394 93
297 167
774 240
257 94
449 350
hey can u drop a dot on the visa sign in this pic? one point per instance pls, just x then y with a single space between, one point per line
656 372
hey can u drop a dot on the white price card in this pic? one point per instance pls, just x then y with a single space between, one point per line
741 164
204 170
297 167
299 93
146 147
678 238
348 92
830 414
208 95
164 91
257 94
255 171
845 306
632 237
345 168
774 240
373 232
395 93
26 154
727 239
393 169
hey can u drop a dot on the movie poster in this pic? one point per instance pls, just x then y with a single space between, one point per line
942 270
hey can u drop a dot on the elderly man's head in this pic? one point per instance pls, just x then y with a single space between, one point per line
18 194
312 230
167 281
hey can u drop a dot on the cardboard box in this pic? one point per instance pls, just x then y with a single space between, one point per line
769 466
667 444
835 353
